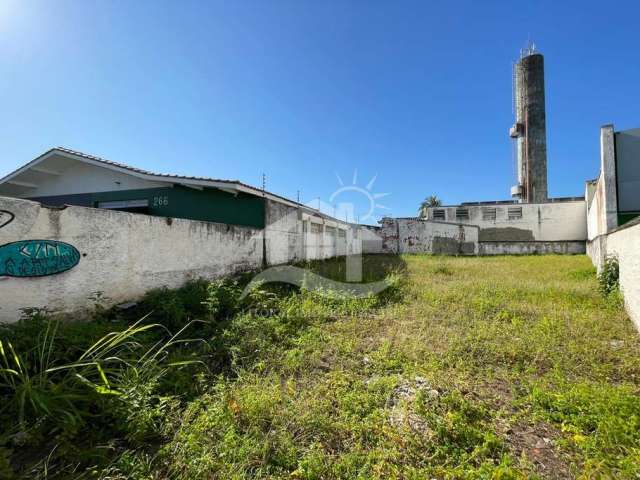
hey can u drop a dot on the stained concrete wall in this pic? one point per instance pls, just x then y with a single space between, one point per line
544 222
413 235
609 200
293 234
602 203
605 238
324 238
543 228
596 220
531 248
600 220
123 255
283 233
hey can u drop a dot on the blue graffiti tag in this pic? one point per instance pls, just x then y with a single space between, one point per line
37 258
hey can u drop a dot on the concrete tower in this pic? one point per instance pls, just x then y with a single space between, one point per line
530 131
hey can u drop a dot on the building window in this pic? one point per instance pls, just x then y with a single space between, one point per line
489 213
316 228
514 213
136 206
342 233
438 214
462 214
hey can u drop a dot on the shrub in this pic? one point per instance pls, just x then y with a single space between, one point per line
222 298
609 276
174 308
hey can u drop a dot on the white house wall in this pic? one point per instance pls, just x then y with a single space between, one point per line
79 177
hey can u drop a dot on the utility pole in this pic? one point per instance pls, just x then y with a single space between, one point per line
265 261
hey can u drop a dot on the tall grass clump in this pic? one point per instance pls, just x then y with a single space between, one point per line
111 389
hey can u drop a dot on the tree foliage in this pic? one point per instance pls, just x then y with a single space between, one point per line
430 201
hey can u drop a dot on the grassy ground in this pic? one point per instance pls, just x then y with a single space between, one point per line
503 367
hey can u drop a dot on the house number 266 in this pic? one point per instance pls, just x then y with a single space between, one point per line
160 201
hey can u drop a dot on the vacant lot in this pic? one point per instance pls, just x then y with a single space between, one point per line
505 367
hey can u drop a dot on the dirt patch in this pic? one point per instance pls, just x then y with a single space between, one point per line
498 393
537 443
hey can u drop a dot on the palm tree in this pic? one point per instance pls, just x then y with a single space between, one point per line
430 201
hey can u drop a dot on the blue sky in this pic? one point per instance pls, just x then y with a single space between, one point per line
417 93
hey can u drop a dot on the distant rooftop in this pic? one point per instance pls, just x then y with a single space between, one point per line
511 202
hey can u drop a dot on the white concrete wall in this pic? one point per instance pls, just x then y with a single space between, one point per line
293 235
595 210
371 239
123 255
602 209
284 239
321 238
605 239
609 189
553 221
602 214
624 243
411 235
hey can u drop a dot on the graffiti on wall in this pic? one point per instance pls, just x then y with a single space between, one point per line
37 258
6 217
